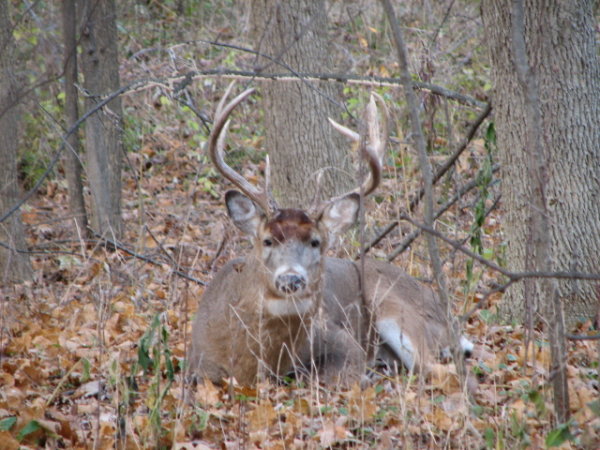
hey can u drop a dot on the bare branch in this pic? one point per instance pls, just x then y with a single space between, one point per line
177 83
583 337
439 173
462 191
513 276
121 247
33 190
427 174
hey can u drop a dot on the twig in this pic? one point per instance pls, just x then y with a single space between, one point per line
439 173
514 276
427 173
462 191
145 258
293 75
583 337
174 83
56 158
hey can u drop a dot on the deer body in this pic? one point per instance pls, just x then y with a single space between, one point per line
332 336
252 340
287 307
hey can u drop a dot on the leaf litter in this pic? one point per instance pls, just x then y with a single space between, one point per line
78 369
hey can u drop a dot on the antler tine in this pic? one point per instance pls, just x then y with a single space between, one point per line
374 151
262 197
316 204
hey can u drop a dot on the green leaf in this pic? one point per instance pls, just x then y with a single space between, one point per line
488 253
86 370
144 358
538 400
558 436
490 133
490 437
6 424
477 410
31 427
194 125
595 407
168 356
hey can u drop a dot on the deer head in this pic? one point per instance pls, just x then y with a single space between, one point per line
289 243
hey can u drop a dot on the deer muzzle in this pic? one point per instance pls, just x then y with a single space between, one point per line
290 283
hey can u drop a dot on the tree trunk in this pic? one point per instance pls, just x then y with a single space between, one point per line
299 139
14 266
562 53
73 165
104 150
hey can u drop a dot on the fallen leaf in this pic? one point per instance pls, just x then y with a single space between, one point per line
207 394
263 416
7 442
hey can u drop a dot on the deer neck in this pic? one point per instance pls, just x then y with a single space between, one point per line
277 328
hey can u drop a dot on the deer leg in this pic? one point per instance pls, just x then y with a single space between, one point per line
391 334
336 357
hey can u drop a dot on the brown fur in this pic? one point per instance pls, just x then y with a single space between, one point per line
234 333
291 224
286 306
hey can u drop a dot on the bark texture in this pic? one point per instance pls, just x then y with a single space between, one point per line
299 139
100 64
73 165
562 53
14 266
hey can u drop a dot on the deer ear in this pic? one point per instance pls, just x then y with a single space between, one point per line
244 213
339 215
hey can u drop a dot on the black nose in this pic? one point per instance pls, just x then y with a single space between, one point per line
289 283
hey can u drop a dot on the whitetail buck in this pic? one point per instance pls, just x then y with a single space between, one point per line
287 307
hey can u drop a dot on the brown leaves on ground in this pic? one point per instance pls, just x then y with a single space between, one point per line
72 349
73 343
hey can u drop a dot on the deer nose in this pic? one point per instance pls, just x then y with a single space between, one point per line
288 283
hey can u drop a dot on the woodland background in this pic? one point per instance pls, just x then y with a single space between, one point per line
93 346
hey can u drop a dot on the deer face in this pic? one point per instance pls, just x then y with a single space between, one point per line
289 247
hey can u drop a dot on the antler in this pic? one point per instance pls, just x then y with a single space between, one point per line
262 197
373 151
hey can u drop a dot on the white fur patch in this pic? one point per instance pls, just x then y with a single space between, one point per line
465 344
399 342
296 268
289 306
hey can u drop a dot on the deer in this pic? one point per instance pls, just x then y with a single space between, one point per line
287 307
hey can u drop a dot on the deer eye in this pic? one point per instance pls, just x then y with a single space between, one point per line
267 242
315 243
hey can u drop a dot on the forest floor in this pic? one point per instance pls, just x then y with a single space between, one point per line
93 351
